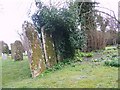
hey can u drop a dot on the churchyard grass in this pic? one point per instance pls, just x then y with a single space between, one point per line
85 74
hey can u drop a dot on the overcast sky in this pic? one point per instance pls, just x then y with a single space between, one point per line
14 12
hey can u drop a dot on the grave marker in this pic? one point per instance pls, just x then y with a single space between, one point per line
34 49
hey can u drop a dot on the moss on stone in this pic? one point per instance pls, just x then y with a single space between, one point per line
37 64
17 50
50 50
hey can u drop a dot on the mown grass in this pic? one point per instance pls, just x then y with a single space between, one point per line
16 74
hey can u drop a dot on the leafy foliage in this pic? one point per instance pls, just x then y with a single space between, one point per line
112 57
113 62
79 55
63 24
90 54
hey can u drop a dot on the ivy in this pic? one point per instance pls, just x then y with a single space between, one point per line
63 24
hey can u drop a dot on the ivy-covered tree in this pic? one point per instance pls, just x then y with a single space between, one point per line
63 24
70 26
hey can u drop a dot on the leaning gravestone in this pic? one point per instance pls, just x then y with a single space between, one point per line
18 50
34 49
49 50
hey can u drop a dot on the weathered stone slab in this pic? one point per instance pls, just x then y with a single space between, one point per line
34 49
17 51
49 50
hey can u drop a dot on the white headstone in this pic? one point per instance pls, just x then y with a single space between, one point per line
4 56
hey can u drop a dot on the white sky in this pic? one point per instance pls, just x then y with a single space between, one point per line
14 12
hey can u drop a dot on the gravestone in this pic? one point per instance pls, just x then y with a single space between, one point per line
4 56
34 49
17 52
49 50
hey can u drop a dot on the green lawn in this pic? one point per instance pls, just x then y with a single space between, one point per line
84 74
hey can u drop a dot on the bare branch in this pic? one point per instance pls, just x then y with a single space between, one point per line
108 15
108 9
80 7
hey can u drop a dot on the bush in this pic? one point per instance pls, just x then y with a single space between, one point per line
78 55
114 62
